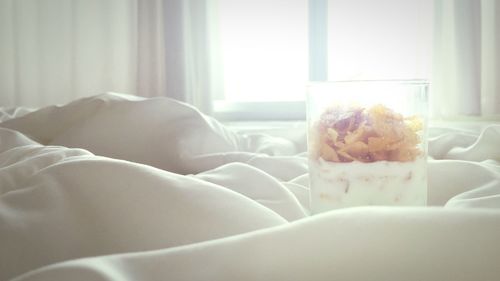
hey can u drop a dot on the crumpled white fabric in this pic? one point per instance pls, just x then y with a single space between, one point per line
115 187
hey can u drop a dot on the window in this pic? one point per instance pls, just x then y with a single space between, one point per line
268 47
264 49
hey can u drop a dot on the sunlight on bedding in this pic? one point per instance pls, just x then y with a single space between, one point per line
114 187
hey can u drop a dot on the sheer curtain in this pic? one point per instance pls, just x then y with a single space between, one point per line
57 50
466 59
54 51
175 51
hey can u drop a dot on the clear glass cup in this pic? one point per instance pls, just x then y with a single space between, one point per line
367 143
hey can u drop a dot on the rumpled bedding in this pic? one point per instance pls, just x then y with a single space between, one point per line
117 187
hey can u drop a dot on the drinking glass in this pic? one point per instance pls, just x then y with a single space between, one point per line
367 143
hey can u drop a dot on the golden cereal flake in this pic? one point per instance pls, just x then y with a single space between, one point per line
367 135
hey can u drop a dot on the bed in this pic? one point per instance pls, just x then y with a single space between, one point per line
117 187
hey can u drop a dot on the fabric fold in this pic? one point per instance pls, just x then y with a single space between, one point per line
115 187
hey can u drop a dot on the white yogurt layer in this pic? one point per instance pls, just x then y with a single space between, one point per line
339 185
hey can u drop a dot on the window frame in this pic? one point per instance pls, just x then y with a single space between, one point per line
260 111
285 110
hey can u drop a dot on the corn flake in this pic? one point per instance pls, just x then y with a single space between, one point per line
367 135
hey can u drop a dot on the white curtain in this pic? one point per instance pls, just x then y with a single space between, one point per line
54 51
175 51
466 59
57 50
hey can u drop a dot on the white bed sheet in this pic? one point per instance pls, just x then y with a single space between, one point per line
115 187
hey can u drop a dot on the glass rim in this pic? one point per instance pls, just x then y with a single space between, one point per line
419 82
